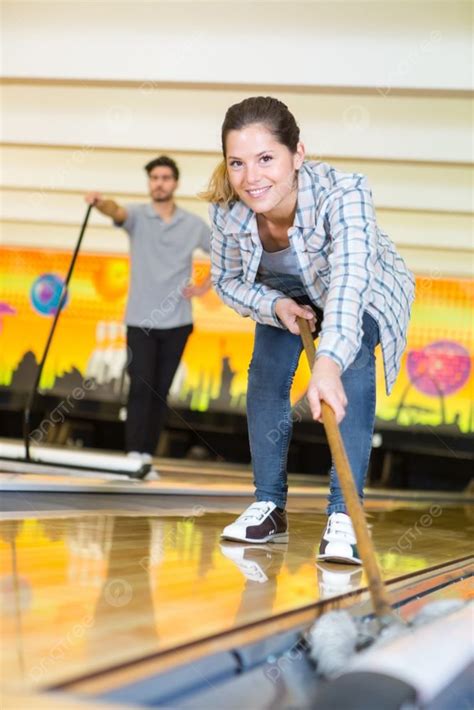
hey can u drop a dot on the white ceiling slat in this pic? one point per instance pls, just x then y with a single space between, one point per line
400 128
384 45
425 187
436 229
431 230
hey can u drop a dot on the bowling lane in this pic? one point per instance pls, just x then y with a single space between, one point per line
87 590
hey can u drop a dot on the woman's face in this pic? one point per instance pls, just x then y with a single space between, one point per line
261 170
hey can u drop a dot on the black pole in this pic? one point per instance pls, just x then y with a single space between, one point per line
62 299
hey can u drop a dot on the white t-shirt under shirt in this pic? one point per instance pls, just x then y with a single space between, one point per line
279 270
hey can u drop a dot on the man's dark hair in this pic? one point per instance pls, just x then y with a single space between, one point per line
163 161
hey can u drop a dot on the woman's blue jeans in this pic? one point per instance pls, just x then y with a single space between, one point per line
274 361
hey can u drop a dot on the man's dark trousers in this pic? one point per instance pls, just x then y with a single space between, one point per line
154 356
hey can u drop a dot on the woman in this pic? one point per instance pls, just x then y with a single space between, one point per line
296 238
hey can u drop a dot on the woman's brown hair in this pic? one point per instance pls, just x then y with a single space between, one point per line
270 112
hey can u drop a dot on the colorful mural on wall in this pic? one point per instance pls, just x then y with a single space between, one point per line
434 388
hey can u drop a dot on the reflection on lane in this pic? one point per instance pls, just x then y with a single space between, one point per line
82 593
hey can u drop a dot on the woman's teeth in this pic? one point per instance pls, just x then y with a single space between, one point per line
259 191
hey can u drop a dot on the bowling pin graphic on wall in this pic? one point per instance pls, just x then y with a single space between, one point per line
96 366
109 358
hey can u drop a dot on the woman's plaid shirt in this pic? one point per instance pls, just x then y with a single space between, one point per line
347 264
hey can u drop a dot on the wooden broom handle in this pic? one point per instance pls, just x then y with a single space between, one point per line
365 546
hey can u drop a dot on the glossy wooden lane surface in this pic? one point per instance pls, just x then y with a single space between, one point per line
84 592
452 581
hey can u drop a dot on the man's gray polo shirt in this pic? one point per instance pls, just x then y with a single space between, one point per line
161 265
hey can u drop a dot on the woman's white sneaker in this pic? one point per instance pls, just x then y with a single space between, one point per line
260 522
338 543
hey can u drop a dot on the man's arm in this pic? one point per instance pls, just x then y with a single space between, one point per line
197 290
204 244
108 207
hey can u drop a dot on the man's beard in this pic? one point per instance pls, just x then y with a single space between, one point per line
162 197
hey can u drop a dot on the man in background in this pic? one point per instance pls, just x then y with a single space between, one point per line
163 238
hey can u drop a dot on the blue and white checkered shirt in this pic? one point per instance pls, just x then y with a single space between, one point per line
347 264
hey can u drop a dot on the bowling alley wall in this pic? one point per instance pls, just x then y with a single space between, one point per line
92 91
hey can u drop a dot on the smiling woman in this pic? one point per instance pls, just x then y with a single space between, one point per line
266 179
293 238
